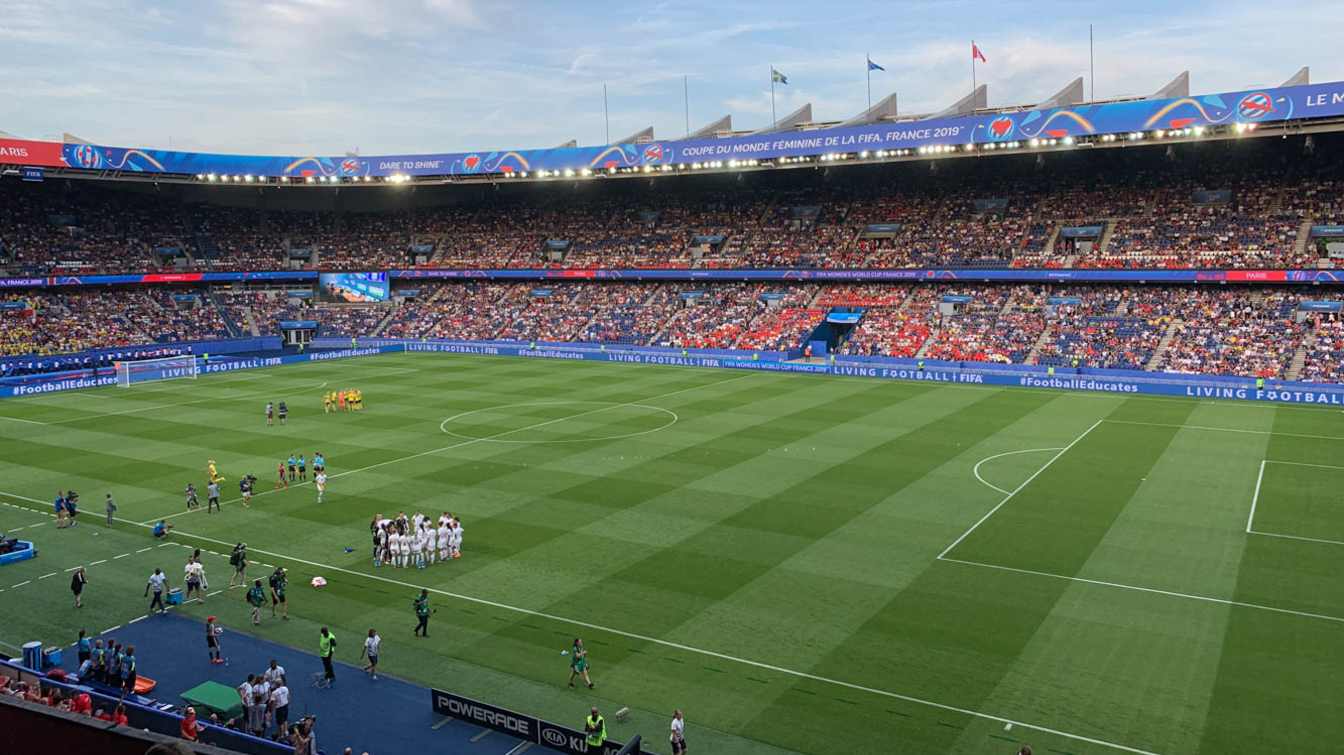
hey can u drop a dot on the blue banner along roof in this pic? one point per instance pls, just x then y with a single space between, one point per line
1249 106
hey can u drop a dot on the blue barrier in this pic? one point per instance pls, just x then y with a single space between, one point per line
149 714
971 373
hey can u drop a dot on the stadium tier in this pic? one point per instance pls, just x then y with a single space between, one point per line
1273 332
1257 203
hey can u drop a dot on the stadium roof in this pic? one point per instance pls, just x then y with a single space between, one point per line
715 128
642 136
1301 78
800 117
978 99
885 109
1177 87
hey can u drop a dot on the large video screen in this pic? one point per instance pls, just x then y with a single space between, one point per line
357 288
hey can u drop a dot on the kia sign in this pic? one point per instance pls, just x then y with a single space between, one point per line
558 738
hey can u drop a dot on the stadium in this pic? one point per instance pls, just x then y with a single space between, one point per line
986 430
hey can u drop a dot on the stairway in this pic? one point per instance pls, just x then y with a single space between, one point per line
1044 338
1300 357
250 320
1104 245
1303 236
1049 250
387 318
1159 354
923 347
234 330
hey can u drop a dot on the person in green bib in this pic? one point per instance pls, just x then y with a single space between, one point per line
595 726
422 614
279 581
255 597
578 663
326 646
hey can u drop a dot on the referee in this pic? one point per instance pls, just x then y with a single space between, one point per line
326 645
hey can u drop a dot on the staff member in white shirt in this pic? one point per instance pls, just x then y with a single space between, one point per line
158 582
274 674
245 696
280 705
371 646
678 736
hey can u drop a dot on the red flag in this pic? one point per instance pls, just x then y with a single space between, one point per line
976 54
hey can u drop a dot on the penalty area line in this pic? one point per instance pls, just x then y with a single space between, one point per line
992 486
1018 489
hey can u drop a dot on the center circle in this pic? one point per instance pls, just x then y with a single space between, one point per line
514 423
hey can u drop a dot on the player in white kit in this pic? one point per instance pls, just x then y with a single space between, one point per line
445 541
455 539
431 541
418 543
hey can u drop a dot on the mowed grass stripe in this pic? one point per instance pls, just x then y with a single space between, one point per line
468 469
560 502
1072 504
671 585
1278 685
1181 530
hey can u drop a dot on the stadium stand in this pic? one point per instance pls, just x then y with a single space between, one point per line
1211 208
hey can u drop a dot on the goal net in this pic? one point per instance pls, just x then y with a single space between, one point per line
145 370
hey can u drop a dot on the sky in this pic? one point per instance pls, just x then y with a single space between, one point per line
397 76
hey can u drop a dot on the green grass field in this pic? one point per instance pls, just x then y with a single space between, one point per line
801 563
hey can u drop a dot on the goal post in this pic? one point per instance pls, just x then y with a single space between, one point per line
146 370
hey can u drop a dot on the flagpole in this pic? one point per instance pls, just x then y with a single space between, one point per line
606 114
868 70
686 98
973 87
1091 65
774 121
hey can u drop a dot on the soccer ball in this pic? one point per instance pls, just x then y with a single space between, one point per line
319 582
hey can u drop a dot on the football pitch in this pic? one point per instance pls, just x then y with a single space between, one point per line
800 563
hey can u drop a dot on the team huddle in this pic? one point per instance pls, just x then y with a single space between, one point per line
415 542
351 400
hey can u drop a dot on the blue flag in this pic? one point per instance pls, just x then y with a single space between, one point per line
873 66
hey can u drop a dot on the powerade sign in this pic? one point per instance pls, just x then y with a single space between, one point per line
519 725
